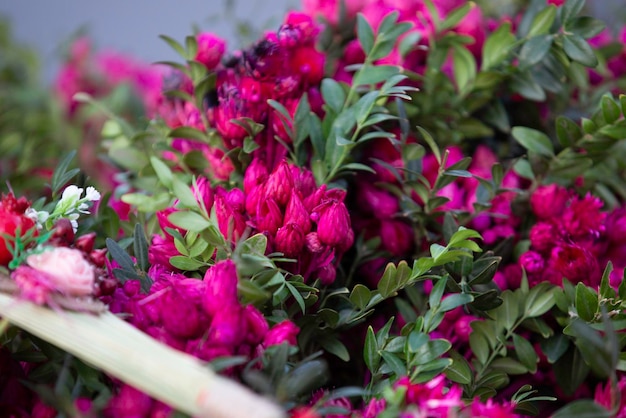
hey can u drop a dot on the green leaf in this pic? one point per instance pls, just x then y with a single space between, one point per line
533 140
333 94
394 363
509 366
480 347
497 46
585 26
610 109
534 50
567 131
579 50
586 302
416 340
175 45
554 347
60 172
543 21
370 351
525 353
583 408
184 194
464 69
430 351
454 301
363 107
120 255
360 296
459 371
387 283
570 10
140 247
540 300
188 132
526 86
434 299
365 34
431 143
455 16
185 263
162 171
190 221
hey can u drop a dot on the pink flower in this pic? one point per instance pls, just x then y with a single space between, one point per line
543 236
161 250
583 217
69 272
128 402
333 226
269 216
221 287
210 49
279 184
290 239
203 193
377 201
228 327
549 201
397 236
297 213
34 285
532 262
283 332
605 396
490 409
576 264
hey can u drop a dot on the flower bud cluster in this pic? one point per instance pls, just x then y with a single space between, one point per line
202 317
573 238
308 223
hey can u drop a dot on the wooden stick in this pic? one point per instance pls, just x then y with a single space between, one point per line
116 347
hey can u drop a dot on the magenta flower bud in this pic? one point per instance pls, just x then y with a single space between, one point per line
297 213
289 240
256 324
314 199
231 223
203 193
333 226
462 327
210 49
253 198
63 233
164 222
378 202
256 174
543 235
131 287
221 287
228 327
85 242
204 350
313 243
397 237
576 264
41 410
129 402
616 226
303 180
98 257
283 332
236 199
549 201
179 316
583 217
269 217
219 165
161 250
532 262
279 184
327 274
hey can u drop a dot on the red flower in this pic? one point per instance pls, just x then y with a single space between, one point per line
12 221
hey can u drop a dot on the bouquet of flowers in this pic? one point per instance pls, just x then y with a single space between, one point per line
380 209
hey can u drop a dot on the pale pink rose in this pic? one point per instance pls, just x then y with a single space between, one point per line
69 272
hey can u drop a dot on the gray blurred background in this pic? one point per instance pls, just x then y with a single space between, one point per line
133 26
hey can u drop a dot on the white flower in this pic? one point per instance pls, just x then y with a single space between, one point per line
71 194
92 194
39 217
